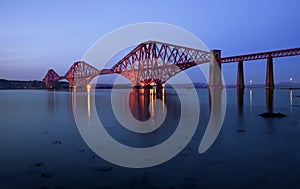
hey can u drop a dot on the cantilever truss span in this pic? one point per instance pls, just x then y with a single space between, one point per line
150 63
81 73
153 63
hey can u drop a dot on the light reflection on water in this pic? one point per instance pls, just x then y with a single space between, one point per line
89 104
253 149
291 97
250 99
142 106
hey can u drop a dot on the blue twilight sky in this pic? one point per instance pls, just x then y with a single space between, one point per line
38 35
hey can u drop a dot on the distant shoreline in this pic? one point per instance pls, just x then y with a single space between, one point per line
62 85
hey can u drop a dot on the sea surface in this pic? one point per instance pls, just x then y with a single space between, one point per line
41 145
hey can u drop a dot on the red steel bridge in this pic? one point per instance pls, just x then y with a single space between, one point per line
152 63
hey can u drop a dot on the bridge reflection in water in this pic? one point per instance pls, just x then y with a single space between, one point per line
240 99
142 105
269 100
140 100
136 117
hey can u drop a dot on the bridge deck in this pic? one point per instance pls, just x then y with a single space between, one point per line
261 55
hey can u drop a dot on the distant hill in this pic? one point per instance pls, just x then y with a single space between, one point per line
17 84
281 85
287 85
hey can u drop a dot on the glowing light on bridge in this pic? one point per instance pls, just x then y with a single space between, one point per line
152 63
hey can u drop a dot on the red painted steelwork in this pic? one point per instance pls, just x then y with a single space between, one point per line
51 78
153 63
81 73
261 55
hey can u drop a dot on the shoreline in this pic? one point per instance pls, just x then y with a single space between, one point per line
62 85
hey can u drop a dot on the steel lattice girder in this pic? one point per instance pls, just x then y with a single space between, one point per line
81 73
157 62
51 78
154 62
262 55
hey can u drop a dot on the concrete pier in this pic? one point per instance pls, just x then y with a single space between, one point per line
240 76
215 74
269 75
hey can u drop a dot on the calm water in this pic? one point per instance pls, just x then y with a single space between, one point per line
41 146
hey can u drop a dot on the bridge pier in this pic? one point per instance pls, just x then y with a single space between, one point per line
215 75
70 80
240 76
269 75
